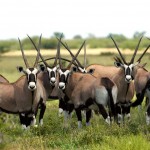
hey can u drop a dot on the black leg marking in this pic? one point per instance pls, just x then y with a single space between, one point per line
22 119
88 116
42 111
102 110
70 108
79 116
148 110
118 113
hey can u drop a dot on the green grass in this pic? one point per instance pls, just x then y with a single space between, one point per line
133 135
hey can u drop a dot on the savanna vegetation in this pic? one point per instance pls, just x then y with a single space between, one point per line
133 135
75 42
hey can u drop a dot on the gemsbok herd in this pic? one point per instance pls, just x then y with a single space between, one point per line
105 90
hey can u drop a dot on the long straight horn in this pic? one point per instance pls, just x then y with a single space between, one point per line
76 55
66 46
85 55
118 50
37 51
58 51
23 55
37 57
137 47
60 62
143 54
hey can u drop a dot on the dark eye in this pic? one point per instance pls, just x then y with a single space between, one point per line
91 71
117 64
20 69
74 69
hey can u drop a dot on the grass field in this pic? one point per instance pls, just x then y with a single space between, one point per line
133 135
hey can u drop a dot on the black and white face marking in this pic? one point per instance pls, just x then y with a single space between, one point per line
128 69
52 75
32 77
31 74
63 78
128 72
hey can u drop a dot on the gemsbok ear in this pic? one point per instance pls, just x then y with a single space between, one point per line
91 71
42 67
20 69
74 69
117 64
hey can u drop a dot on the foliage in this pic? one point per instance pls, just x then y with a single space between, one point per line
92 42
6 45
77 37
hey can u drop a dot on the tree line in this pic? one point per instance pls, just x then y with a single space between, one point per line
75 42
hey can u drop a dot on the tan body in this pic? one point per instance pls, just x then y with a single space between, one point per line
88 87
17 98
117 76
86 90
140 79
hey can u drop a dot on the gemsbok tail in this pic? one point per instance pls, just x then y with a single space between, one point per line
108 84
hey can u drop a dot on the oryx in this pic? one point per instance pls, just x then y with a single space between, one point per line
129 70
24 95
135 71
85 90
122 77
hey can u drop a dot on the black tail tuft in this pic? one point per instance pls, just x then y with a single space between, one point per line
108 85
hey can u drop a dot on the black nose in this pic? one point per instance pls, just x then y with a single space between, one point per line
53 82
60 87
32 87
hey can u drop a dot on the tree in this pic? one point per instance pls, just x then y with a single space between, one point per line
138 34
117 37
58 34
77 37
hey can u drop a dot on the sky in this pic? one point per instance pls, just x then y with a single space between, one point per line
73 17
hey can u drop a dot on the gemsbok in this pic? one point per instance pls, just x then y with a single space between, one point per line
85 90
141 81
24 96
141 78
121 75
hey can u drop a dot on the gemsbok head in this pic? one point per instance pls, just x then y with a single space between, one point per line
51 70
64 72
30 72
129 67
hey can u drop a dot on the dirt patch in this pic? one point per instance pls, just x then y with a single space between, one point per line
65 52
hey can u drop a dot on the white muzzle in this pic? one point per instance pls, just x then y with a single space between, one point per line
61 85
32 86
128 78
53 80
